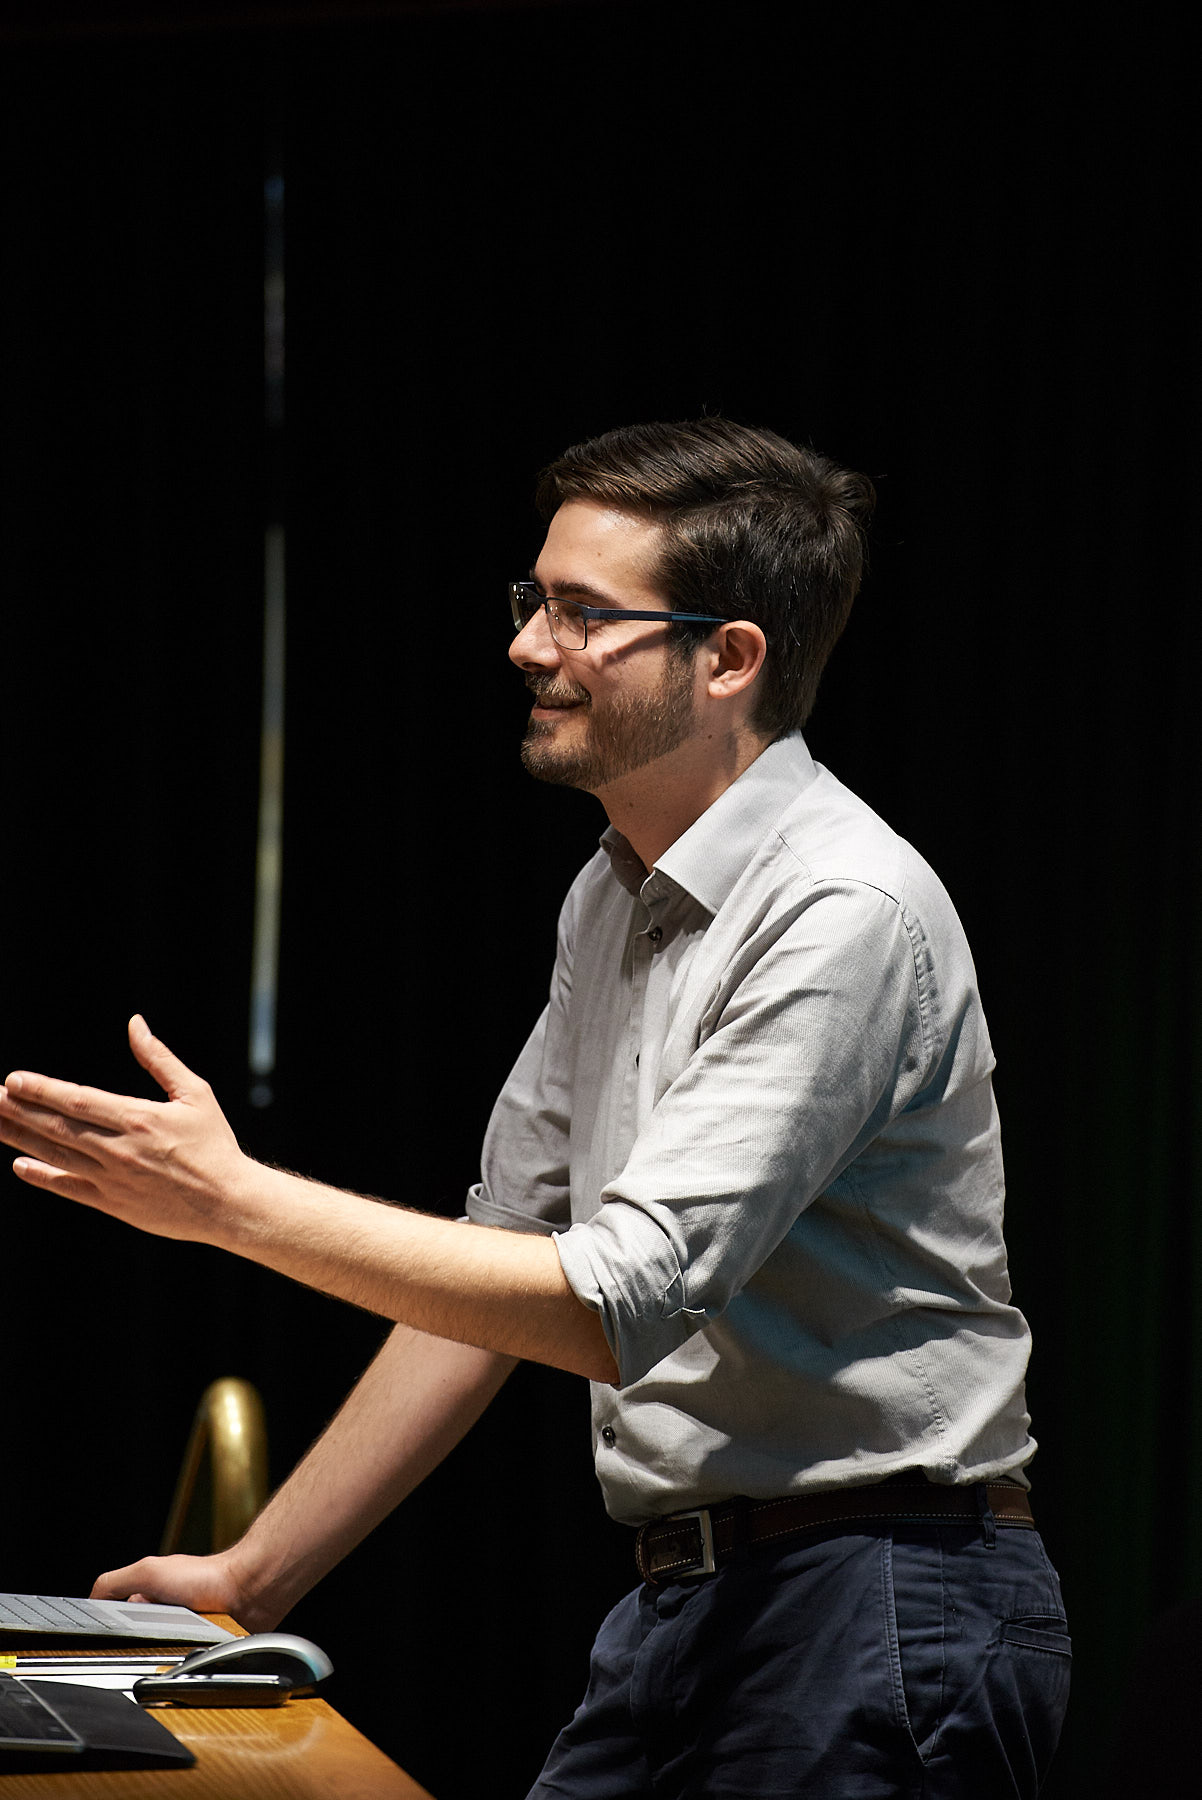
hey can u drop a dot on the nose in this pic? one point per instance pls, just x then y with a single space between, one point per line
533 646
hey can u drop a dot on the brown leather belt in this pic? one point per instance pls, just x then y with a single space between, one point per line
694 1543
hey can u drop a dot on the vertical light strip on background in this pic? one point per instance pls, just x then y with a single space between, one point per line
269 862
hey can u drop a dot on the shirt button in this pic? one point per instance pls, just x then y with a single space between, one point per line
609 1434
656 933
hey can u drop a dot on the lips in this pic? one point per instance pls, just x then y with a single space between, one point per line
552 699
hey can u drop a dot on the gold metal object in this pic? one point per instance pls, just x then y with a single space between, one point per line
223 1478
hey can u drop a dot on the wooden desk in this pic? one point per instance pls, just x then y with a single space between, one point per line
302 1750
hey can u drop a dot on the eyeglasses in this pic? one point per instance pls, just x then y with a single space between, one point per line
569 620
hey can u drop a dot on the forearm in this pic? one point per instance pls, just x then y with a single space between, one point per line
413 1404
409 1410
174 1167
496 1290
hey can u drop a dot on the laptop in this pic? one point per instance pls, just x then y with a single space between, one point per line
25 1616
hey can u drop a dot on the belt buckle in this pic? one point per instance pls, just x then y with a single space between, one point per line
704 1564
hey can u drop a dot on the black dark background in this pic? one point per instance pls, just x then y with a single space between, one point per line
953 248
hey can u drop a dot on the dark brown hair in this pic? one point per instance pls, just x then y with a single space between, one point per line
754 528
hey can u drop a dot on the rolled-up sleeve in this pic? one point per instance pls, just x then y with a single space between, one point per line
815 1034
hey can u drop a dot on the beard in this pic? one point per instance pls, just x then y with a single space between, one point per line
624 733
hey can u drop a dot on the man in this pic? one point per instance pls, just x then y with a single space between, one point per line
745 1176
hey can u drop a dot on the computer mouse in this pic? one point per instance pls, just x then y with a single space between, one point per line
263 1653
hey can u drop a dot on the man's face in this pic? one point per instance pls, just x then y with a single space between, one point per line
628 697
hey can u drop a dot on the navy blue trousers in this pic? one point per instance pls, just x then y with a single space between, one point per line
913 1661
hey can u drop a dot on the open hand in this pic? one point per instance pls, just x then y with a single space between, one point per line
167 1166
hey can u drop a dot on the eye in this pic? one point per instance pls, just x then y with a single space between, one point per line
567 624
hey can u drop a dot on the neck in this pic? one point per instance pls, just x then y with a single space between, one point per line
656 804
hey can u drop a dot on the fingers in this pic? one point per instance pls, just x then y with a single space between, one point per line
136 1581
65 1124
174 1077
118 1584
48 1137
57 1181
196 1581
46 1161
162 1165
92 1106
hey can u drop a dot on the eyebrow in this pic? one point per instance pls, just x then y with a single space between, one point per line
565 589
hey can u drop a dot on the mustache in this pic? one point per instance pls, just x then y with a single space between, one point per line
550 692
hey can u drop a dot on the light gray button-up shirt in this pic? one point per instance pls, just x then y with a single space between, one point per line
757 1114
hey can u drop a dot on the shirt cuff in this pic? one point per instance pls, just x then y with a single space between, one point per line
634 1281
482 1209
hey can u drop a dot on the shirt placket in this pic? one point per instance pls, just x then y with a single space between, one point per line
646 1018
647 935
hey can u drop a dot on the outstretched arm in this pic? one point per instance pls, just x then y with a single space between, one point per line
413 1404
173 1167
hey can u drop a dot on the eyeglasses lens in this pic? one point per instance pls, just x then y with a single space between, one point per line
568 626
523 604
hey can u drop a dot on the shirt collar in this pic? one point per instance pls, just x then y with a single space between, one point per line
709 857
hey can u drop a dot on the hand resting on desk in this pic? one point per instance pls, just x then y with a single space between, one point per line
206 1584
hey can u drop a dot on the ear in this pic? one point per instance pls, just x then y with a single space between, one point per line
736 653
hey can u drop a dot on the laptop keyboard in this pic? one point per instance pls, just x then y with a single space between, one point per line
32 1611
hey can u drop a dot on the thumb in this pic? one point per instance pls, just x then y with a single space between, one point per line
173 1076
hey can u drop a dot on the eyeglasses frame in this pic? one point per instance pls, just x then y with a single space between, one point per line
520 589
